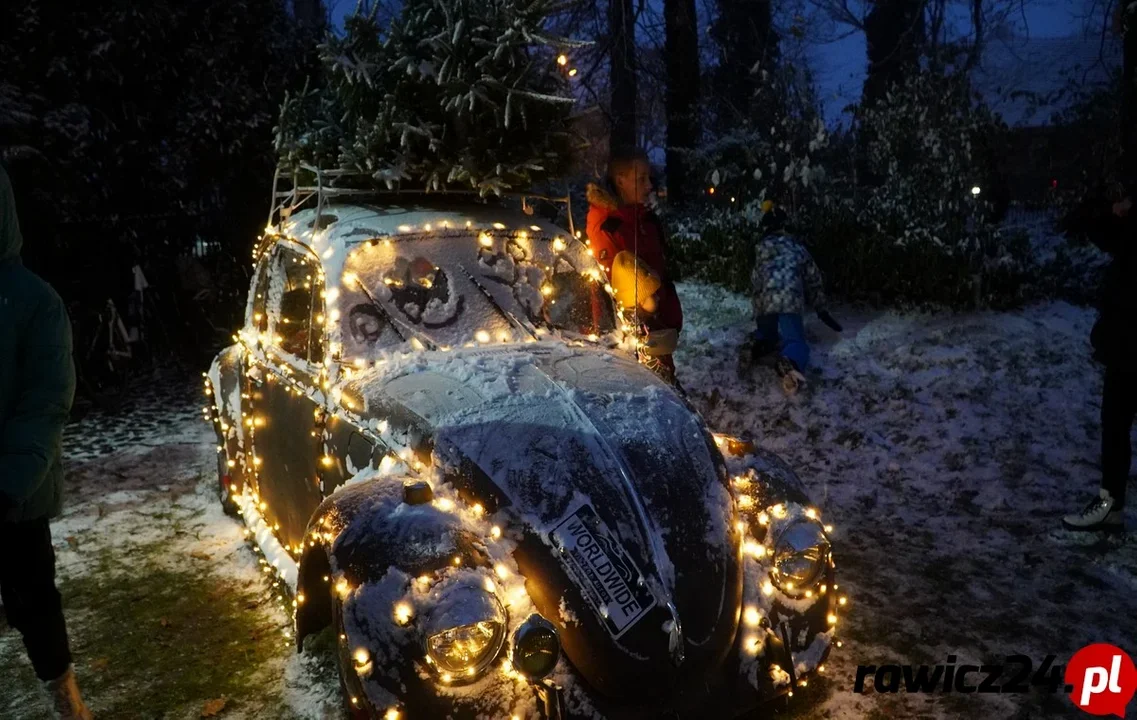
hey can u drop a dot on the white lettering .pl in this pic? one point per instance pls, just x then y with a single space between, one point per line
1097 681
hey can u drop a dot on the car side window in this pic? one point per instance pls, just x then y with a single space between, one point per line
316 336
259 320
290 292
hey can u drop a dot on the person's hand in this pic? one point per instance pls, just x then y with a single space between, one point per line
1121 209
649 304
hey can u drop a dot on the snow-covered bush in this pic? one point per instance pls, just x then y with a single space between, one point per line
860 264
863 264
919 231
463 93
716 246
927 145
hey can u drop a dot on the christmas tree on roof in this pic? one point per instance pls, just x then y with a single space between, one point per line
455 94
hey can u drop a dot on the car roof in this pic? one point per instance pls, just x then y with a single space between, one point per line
343 226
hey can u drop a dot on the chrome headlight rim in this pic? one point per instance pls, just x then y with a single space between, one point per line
805 542
479 607
534 630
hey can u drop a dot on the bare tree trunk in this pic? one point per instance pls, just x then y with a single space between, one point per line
748 44
976 25
681 52
622 26
1129 96
894 35
310 13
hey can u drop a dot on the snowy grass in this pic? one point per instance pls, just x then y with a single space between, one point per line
944 448
170 613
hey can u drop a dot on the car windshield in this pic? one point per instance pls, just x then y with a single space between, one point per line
454 288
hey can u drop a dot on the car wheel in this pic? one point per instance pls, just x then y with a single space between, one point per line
344 666
223 487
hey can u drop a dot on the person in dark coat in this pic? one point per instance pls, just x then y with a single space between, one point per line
621 221
1114 339
37 385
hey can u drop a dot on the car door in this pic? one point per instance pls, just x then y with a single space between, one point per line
240 408
285 411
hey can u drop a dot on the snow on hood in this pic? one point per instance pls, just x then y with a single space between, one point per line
555 427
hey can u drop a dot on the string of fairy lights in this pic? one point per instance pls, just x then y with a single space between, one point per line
259 348
759 527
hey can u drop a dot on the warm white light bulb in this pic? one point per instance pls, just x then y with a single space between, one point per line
751 616
403 613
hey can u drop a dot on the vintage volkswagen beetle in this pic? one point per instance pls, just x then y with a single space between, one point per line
435 425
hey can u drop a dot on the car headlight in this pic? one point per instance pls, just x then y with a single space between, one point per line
800 554
465 633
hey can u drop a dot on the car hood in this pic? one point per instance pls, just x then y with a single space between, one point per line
628 545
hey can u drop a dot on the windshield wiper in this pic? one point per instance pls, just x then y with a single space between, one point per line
509 317
400 329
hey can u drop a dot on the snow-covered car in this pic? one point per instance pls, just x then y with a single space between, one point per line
434 424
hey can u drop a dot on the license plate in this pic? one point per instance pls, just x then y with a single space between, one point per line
602 569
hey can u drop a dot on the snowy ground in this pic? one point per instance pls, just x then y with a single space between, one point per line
943 448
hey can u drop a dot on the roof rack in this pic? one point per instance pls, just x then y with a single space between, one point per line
300 191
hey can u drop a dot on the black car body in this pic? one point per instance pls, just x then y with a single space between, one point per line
435 424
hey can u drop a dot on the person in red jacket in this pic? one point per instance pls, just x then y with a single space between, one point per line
622 221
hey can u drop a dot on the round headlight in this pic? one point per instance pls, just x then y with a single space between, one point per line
800 554
536 647
465 632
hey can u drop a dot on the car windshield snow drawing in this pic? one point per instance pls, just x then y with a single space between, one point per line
435 425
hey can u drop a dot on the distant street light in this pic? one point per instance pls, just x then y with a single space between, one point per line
976 190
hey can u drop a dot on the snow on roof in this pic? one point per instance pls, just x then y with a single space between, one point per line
343 226
1015 70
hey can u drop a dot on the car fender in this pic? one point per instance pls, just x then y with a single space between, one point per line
771 478
224 383
366 528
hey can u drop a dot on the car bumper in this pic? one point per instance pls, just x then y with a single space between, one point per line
793 651
796 640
